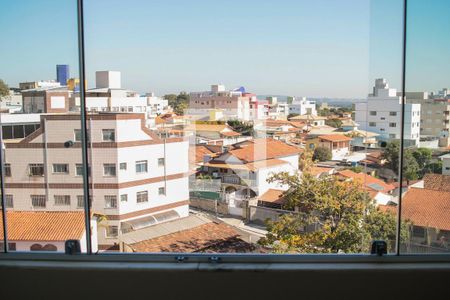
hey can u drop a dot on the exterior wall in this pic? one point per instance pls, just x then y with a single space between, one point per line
303 107
446 165
339 150
128 129
266 173
380 123
45 101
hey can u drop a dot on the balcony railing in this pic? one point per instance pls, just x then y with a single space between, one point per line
234 179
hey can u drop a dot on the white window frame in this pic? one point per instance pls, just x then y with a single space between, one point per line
140 163
110 201
142 194
55 168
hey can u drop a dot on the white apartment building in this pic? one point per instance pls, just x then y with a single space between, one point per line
109 96
381 114
301 106
245 169
137 179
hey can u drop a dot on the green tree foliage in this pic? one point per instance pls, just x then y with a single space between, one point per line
357 169
4 89
179 102
416 162
322 154
244 128
336 123
333 216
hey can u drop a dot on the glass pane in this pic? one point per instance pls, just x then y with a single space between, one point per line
426 201
194 107
41 186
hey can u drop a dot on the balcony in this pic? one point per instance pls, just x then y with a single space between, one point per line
237 180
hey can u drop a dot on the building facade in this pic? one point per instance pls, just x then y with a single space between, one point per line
137 179
381 114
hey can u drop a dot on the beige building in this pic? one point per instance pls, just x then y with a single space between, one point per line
137 178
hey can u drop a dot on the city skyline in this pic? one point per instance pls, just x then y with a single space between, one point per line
336 53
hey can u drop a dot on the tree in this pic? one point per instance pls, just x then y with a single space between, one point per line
179 102
322 154
244 128
336 123
392 155
4 89
357 169
333 216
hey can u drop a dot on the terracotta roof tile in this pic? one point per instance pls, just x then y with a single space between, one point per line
370 182
261 149
44 225
437 182
210 237
427 208
335 138
272 196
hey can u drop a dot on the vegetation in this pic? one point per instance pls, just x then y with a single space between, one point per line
179 102
322 154
336 123
4 89
333 217
244 128
416 162
334 111
357 169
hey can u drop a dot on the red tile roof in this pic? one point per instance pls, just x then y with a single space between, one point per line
272 196
368 181
427 208
335 138
44 225
262 149
210 237
437 182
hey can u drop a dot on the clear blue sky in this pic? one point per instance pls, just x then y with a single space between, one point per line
315 48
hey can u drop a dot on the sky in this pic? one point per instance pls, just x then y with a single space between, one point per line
321 48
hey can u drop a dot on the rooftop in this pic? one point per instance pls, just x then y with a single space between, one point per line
370 182
437 182
44 225
335 138
210 237
273 196
427 208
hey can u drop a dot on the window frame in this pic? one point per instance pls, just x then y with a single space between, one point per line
140 163
112 135
109 165
56 172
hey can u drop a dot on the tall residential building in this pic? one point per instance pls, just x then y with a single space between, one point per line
381 114
137 178
435 116
234 104
109 96
62 74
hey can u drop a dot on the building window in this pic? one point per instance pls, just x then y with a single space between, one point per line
38 201
142 197
60 168
79 170
372 124
9 202
373 113
123 198
161 162
112 231
394 124
80 201
11 246
393 113
36 169
392 136
62 200
109 135
161 191
141 166
7 170
123 166
110 201
109 169
77 135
